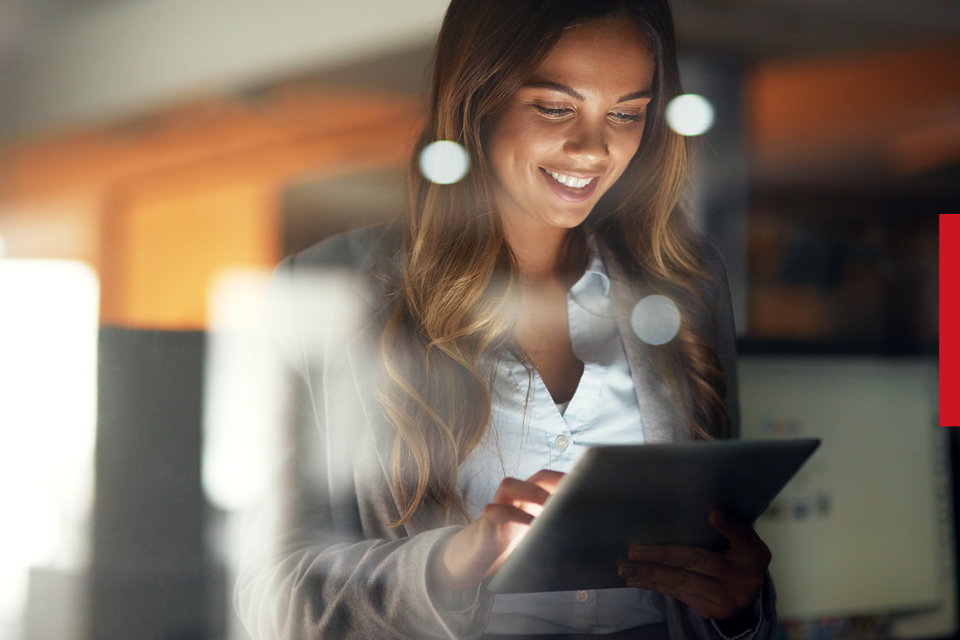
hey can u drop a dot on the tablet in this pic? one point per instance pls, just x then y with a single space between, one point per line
619 496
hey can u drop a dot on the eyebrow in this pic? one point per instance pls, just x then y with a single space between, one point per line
556 86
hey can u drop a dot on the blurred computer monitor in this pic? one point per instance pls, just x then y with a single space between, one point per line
866 526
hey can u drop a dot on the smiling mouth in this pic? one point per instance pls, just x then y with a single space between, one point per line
570 188
569 181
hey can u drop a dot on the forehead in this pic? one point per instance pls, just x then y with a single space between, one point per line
610 49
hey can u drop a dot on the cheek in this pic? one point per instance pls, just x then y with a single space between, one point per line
522 140
502 146
626 147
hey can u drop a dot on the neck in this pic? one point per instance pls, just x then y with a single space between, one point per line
537 249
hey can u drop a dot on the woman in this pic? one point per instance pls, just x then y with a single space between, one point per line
500 315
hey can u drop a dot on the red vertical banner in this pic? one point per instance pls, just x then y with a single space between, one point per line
949 324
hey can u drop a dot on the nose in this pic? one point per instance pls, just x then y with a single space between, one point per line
587 142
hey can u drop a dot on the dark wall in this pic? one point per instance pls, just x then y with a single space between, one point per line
149 574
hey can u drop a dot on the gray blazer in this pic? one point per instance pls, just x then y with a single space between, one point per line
352 575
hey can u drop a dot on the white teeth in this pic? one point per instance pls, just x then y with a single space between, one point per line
570 181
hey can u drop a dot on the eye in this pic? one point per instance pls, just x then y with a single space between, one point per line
553 112
627 118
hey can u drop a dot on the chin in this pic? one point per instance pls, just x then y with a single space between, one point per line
573 219
568 223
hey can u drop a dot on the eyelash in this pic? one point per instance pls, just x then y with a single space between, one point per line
626 117
559 112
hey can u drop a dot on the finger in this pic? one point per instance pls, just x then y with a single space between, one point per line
696 559
499 514
677 580
508 525
515 492
739 533
547 479
745 544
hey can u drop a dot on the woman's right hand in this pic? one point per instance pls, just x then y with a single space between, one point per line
478 550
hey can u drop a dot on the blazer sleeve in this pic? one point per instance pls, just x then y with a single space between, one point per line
684 623
720 326
347 574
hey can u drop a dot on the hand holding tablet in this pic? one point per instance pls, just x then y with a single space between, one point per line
717 585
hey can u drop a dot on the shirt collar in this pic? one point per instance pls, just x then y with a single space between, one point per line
595 279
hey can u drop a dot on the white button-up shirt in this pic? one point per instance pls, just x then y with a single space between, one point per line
529 432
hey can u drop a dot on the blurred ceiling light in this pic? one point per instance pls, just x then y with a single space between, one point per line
690 114
444 162
655 319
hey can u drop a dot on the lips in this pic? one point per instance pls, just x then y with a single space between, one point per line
568 192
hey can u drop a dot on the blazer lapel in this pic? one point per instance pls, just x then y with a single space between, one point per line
662 422
362 356
363 348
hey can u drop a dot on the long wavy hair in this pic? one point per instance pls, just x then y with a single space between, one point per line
458 284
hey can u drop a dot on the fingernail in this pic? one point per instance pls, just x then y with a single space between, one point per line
627 572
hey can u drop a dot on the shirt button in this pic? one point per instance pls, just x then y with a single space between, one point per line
583 596
562 443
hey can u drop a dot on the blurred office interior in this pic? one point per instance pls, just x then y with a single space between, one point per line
159 157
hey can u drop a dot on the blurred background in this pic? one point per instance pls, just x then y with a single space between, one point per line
159 157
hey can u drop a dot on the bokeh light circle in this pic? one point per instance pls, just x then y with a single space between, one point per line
690 114
444 162
655 320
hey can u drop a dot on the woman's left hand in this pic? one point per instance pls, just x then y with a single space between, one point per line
717 585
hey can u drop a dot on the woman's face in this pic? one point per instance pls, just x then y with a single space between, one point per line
568 134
